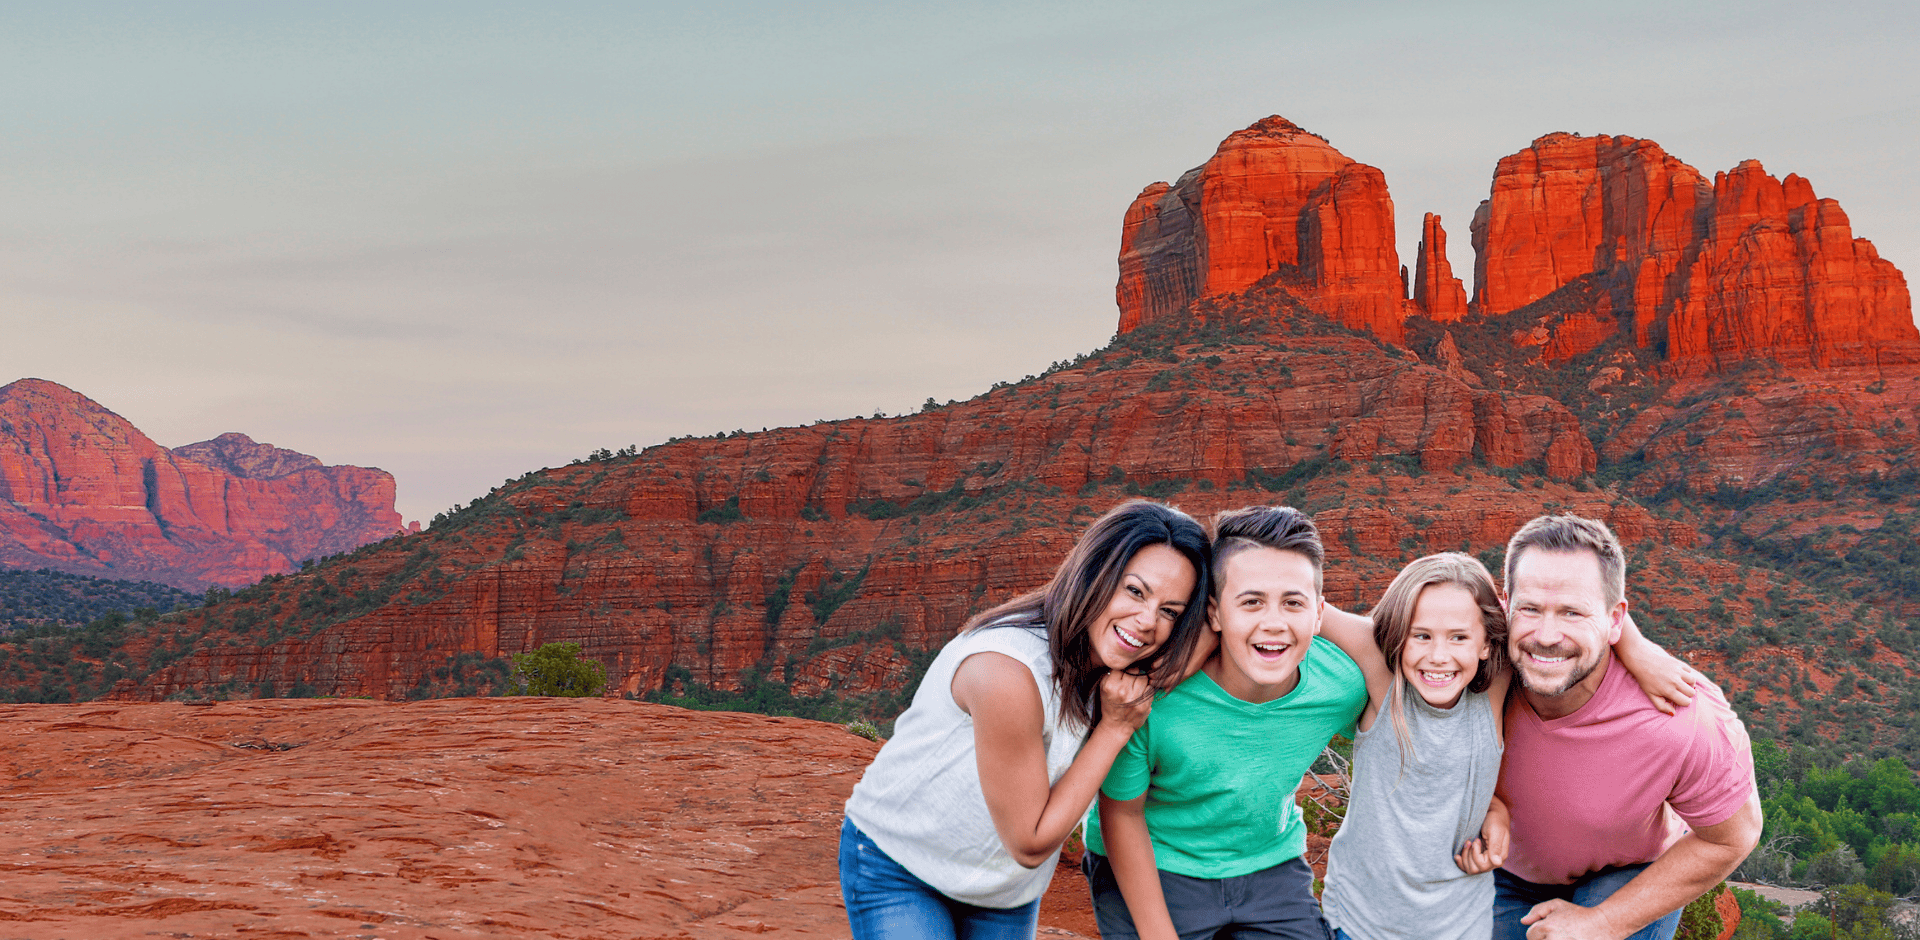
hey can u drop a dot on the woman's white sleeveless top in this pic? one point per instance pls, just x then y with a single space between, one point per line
920 800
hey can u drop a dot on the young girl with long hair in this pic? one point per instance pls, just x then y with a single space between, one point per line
1424 831
956 827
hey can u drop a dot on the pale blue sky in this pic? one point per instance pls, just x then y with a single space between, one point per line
460 241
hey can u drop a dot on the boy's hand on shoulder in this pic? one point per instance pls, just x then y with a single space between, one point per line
1125 699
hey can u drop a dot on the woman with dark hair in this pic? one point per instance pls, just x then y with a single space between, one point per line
955 828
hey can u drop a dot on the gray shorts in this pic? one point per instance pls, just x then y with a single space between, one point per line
1276 902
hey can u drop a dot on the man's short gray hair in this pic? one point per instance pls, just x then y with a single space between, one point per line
1569 533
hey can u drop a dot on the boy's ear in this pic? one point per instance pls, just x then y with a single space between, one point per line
1213 615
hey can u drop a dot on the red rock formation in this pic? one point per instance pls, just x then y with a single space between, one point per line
1704 438
1598 236
240 456
1780 275
1749 267
1728 907
83 491
727 548
1273 198
1570 207
1436 292
516 817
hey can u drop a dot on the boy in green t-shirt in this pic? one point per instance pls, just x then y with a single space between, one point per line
1197 829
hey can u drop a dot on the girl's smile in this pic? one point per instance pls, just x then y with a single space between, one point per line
1446 644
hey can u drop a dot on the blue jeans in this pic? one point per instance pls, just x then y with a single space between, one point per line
1275 904
1514 897
886 901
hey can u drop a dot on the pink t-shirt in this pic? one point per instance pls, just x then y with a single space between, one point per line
1592 789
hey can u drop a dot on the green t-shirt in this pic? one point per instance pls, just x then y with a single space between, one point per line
1219 773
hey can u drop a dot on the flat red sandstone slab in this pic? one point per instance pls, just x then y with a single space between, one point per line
450 818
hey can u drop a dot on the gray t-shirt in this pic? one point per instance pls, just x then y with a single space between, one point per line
1390 870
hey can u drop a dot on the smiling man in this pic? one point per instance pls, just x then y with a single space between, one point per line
1198 832
1621 813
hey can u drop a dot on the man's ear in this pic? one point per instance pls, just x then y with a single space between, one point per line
1615 619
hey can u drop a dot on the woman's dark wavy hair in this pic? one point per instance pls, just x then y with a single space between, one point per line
1070 604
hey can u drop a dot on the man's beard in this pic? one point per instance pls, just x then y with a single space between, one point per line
1581 669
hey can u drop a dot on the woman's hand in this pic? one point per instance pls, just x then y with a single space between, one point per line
1125 699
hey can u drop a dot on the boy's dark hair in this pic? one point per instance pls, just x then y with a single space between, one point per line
1282 527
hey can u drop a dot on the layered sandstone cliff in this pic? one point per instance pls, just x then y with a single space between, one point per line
1436 292
83 491
1274 197
1637 243
1779 274
1593 237
806 553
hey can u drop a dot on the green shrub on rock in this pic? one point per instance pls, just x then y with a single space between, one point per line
557 669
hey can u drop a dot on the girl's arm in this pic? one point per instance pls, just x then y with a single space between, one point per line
1032 818
1667 681
1123 827
1490 850
1497 690
1354 635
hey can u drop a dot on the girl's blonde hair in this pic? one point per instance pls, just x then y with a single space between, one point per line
1393 624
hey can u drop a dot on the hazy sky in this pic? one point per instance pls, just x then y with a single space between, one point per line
461 241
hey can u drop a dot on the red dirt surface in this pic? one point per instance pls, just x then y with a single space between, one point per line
512 817
580 819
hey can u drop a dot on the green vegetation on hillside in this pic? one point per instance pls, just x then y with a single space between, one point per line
52 598
1836 824
54 664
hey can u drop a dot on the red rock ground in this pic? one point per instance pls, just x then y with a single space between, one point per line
512 817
